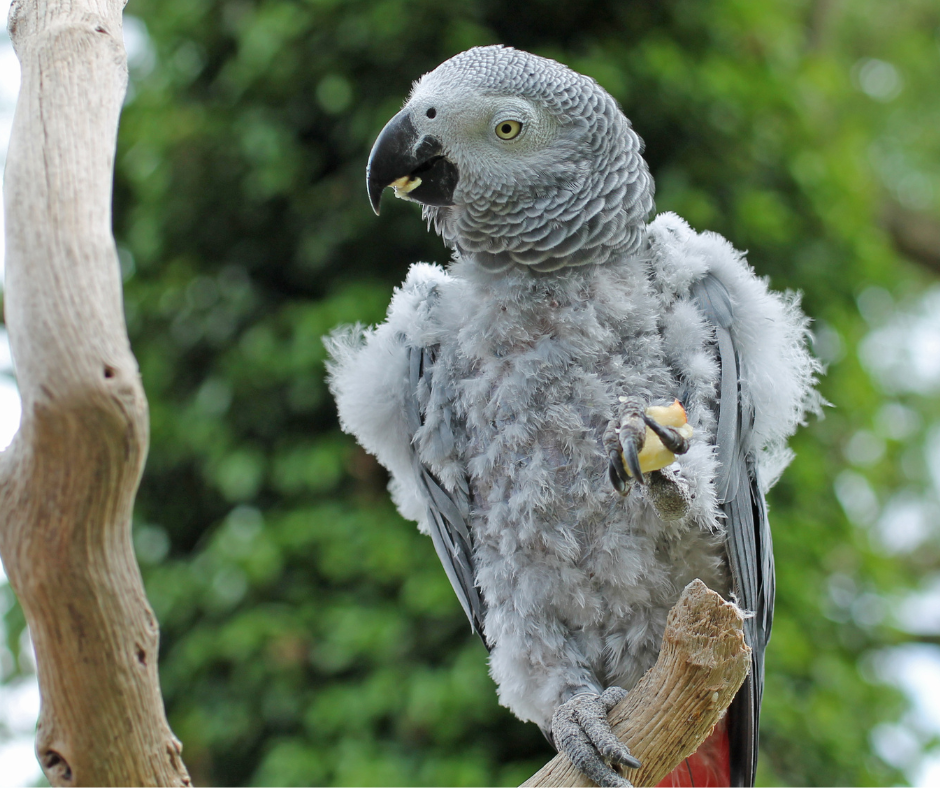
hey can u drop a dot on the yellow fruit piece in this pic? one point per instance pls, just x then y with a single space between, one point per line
668 415
405 185
654 455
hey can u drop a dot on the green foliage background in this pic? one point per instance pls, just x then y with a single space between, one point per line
309 634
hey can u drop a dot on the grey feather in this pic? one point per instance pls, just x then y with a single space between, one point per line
715 302
749 548
445 516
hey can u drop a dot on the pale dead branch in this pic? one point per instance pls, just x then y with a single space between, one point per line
68 481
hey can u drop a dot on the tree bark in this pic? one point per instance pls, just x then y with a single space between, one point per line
68 480
674 707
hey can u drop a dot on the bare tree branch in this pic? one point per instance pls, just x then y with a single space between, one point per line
68 481
674 707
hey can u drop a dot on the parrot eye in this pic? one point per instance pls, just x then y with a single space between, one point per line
431 113
508 129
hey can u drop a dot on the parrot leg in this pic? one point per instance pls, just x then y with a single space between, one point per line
623 442
581 731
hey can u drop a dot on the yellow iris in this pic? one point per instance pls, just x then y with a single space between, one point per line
508 129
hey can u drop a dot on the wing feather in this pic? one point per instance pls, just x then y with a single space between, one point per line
446 511
750 553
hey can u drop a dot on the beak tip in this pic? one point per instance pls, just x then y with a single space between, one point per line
375 194
391 156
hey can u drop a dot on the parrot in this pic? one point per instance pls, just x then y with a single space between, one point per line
584 409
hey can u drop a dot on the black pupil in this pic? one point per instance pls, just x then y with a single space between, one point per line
507 129
432 112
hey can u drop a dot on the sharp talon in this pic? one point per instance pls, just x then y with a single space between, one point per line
622 756
632 458
618 474
615 479
670 437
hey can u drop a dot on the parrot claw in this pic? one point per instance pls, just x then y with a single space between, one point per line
672 439
631 458
581 731
618 474
644 440
624 439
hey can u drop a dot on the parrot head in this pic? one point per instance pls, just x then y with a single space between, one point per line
517 160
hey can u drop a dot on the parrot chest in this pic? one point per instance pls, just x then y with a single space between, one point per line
545 517
534 424
533 376
531 385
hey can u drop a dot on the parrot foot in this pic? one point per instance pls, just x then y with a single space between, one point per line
581 731
625 441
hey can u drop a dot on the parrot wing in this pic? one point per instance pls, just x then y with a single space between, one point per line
749 547
446 511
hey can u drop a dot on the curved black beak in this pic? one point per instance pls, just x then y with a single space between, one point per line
415 168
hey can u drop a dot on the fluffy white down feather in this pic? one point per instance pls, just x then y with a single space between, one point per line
576 578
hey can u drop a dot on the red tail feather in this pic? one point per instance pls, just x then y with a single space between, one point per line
709 765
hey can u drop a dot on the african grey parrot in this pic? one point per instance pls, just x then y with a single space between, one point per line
509 396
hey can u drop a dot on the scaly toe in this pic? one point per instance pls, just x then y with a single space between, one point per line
581 731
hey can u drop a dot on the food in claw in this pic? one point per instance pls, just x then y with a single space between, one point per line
654 456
